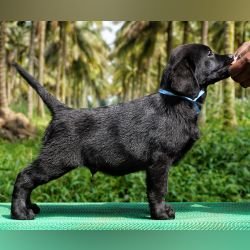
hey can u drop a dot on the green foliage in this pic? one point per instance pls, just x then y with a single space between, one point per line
216 169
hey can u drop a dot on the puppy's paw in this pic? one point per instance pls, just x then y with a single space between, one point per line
170 211
35 208
23 214
163 212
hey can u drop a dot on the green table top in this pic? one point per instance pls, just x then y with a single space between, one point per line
131 216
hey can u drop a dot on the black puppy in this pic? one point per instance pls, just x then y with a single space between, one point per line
150 133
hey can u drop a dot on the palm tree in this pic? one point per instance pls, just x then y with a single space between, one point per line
31 66
13 125
218 36
41 34
228 86
169 42
136 45
3 98
217 43
185 32
204 32
16 50
62 59
204 40
78 53
88 56
240 37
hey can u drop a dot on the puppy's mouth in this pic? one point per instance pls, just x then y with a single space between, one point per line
225 65
220 70
230 60
219 74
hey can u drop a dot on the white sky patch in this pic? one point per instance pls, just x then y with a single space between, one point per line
109 31
109 35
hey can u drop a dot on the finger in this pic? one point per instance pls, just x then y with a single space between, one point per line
240 65
243 76
243 49
237 67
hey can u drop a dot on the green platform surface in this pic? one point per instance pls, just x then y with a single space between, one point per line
131 216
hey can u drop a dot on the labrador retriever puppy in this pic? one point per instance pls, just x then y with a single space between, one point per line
147 134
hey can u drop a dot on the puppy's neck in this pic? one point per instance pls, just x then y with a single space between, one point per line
183 103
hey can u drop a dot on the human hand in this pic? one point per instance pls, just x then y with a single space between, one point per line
240 69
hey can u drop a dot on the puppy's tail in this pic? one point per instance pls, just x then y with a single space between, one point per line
52 103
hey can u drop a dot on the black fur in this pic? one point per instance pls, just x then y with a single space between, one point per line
150 133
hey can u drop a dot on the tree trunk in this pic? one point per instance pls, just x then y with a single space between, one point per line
59 62
84 95
240 37
124 94
169 42
12 125
3 97
133 88
60 84
244 38
64 56
228 86
185 32
10 73
31 67
159 71
204 40
204 33
42 27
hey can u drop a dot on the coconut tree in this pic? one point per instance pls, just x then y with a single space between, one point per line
228 86
88 60
12 125
204 32
3 98
240 37
136 45
79 53
185 32
217 31
61 84
31 66
41 35
204 40
169 41
216 42
16 50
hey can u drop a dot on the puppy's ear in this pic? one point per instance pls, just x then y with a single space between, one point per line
182 79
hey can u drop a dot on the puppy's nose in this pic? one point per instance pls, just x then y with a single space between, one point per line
231 58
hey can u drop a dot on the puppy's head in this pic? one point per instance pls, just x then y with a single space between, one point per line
193 67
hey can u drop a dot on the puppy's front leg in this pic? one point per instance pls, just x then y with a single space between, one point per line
157 177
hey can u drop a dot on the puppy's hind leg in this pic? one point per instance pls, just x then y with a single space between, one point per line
156 189
38 173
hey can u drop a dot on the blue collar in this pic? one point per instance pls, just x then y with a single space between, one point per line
194 101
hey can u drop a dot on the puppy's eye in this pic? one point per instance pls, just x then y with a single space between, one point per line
210 53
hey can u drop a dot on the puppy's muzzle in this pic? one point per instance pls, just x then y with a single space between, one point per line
230 59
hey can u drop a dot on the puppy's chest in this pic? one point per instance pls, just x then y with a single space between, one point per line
177 138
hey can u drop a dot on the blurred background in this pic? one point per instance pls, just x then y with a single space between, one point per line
88 64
